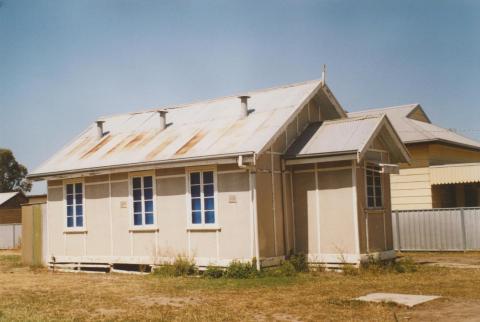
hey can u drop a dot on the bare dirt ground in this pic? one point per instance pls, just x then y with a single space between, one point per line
28 294
446 259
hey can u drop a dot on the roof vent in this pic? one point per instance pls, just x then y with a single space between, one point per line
100 132
163 119
243 106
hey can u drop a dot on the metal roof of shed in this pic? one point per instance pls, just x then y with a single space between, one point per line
415 131
203 129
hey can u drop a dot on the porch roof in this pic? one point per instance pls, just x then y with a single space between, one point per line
350 136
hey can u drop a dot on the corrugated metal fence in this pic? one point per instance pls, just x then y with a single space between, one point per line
10 235
452 229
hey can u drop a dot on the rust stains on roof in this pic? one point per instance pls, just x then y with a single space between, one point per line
79 146
97 147
160 148
139 137
190 143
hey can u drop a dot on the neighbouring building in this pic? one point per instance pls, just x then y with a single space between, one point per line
11 219
444 171
10 207
263 174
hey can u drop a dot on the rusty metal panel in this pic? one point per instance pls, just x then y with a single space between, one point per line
202 129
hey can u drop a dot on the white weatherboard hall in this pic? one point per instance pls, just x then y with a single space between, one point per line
259 175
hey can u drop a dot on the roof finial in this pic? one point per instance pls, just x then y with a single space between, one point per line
324 74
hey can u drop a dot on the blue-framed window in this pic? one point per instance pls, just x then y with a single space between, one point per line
374 186
202 194
142 192
75 205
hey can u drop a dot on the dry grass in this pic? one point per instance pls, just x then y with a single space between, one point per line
38 295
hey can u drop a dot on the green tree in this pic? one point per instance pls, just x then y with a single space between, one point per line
12 174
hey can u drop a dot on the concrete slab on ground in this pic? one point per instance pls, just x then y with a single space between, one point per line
403 299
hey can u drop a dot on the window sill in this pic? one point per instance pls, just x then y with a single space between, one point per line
75 231
204 228
143 229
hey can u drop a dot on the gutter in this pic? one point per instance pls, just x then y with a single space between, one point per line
125 167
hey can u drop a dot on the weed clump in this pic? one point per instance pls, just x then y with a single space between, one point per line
241 270
299 262
182 266
286 268
377 266
213 272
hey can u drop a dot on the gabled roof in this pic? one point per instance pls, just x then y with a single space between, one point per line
6 196
347 136
413 130
197 131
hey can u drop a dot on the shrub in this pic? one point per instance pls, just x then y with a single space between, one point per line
299 262
237 269
213 272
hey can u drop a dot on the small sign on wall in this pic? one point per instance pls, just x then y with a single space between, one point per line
232 199
123 204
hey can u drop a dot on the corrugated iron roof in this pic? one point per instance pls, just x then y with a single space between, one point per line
5 196
207 128
412 131
343 136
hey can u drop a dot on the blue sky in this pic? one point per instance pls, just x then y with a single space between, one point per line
65 63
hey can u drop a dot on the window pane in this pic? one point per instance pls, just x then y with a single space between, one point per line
208 190
378 192
137 194
148 218
370 191
209 217
69 199
79 210
137 206
137 183
137 219
78 199
209 204
196 217
147 182
69 221
148 194
78 188
196 205
371 202
195 191
149 206
70 188
69 210
377 180
378 202
79 221
369 179
208 177
195 178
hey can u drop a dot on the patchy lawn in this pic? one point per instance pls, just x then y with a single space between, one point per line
37 294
